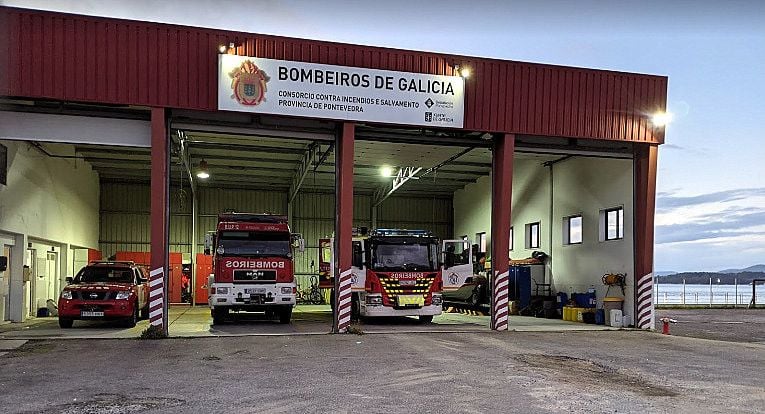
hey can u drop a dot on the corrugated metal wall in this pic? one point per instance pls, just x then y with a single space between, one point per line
125 224
91 59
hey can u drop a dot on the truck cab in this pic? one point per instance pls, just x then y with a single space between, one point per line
253 267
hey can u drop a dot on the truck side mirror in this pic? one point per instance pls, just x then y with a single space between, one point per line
69 280
358 255
209 243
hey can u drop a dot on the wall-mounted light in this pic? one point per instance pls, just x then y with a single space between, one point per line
203 172
462 71
386 171
223 48
661 119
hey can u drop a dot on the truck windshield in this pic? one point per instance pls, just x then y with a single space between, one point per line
404 257
255 244
96 274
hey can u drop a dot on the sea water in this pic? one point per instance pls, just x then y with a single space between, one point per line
672 294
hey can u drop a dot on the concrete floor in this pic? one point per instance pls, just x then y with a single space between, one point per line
186 321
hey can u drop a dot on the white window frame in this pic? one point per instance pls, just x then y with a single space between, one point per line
480 239
603 227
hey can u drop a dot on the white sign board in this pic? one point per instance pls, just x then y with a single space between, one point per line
280 87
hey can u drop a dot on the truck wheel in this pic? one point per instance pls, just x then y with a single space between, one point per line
219 315
145 312
355 306
475 297
332 298
426 318
133 319
285 316
65 323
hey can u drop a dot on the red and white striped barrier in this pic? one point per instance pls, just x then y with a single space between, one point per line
645 316
344 302
156 296
501 294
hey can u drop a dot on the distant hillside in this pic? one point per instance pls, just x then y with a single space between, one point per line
697 278
664 273
755 268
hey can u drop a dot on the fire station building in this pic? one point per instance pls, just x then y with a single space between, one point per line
124 140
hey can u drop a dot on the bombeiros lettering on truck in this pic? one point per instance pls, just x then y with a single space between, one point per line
253 265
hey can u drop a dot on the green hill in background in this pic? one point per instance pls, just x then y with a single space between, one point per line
702 278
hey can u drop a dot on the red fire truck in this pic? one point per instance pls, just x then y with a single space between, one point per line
395 273
253 267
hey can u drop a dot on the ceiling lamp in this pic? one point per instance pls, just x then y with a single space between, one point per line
203 172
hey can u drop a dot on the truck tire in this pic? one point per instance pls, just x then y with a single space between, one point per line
65 323
426 318
219 315
145 312
355 306
133 319
285 315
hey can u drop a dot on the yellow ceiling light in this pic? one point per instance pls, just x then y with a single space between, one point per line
203 172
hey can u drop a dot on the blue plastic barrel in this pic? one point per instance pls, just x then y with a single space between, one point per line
600 317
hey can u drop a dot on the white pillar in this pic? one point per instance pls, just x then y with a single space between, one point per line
16 288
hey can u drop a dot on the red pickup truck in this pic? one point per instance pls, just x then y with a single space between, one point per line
105 290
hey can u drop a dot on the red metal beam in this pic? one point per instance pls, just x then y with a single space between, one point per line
646 157
343 224
159 200
501 203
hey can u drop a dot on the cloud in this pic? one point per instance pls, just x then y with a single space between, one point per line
672 146
669 201
732 222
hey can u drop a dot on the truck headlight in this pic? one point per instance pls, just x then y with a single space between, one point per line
221 291
66 294
286 290
437 300
123 294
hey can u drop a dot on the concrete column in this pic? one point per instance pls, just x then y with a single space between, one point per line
16 288
344 142
159 198
646 158
501 202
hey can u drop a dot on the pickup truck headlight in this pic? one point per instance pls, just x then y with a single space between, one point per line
66 294
286 290
122 295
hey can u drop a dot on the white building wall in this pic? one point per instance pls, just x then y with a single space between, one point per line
50 200
581 185
586 186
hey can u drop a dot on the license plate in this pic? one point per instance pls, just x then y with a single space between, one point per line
91 314
407 282
255 291
411 300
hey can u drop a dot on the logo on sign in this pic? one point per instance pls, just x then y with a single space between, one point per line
429 103
428 116
248 82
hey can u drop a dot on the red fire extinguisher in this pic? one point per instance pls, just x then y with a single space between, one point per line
665 327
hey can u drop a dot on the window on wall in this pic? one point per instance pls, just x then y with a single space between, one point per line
572 229
480 239
612 223
532 235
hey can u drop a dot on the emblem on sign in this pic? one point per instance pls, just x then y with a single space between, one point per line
248 82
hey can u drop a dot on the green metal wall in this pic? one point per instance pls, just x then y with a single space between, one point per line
125 225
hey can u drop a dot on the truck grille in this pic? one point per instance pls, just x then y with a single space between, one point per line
254 276
94 295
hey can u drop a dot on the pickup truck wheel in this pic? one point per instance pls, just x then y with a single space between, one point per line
145 312
426 318
285 315
475 297
219 315
65 323
133 319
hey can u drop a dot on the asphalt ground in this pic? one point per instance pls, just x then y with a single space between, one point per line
576 372
737 325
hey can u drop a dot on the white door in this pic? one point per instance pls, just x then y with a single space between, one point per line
29 282
358 267
457 263
5 286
